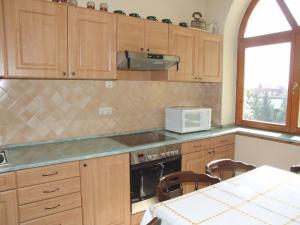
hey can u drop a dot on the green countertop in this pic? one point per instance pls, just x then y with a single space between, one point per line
43 154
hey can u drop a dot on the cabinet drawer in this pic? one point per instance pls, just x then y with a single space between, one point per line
195 146
223 140
71 217
7 181
49 190
49 207
47 174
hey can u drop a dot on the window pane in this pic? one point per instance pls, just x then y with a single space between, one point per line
266 18
294 6
267 70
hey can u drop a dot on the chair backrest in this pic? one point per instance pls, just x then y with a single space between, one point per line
221 167
155 221
295 169
174 182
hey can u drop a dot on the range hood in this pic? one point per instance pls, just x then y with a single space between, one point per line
142 61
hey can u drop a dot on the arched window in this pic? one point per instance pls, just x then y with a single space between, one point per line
269 66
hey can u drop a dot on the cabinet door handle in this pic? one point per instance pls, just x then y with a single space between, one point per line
64 74
148 50
142 49
54 207
73 73
50 174
48 192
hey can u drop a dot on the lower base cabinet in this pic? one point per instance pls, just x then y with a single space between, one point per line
8 208
136 218
106 190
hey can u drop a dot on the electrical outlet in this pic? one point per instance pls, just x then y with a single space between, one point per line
109 84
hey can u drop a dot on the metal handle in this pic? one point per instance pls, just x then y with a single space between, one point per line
64 74
148 50
73 73
54 207
142 49
47 192
295 86
51 174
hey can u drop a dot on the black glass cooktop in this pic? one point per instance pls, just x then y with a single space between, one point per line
132 140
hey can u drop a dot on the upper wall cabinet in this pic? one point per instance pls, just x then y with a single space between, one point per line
136 34
92 44
183 42
36 34
2 43
210 57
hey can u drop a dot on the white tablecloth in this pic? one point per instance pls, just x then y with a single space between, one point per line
265 195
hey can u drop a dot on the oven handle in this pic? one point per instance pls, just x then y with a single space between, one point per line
154 163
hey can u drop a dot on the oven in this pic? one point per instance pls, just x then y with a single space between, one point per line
147 167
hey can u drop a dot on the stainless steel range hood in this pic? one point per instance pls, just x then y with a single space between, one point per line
127 60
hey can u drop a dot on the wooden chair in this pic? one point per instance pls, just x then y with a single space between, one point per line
219 167
295 169
174 182
155 221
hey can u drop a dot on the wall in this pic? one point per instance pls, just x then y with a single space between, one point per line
217 11
37 110
263 152
176 10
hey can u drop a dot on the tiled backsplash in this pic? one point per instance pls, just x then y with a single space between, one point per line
38 110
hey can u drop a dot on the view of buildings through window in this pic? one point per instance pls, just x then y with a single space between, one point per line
266 79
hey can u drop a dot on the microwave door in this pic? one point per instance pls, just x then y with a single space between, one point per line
191 121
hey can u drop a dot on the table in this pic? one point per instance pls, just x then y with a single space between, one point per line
265 195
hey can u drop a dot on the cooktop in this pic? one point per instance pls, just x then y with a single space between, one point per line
132 140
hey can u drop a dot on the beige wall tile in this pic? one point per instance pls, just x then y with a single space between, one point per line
38 110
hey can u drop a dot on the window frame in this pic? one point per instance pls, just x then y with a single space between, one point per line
292 36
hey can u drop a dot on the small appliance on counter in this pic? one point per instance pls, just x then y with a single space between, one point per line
185 119
198 21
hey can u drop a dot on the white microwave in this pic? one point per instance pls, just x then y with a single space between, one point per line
187 119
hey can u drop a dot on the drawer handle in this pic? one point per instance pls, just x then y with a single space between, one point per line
47 192
48 175
54 207
223 141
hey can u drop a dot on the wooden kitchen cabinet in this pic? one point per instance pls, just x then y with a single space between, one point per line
137 34
156 37
210 57
106 190
36 34
136 218
92 44
8 208
183 42
131 35
2 44
197 154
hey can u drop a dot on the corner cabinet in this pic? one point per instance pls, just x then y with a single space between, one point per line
92 44
106 190
36 34
2 43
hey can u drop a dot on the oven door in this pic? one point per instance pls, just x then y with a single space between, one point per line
145 177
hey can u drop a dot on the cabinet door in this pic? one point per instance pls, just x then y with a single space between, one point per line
8 208
156 37
2 43
194 162
210 57
92 44
106 190
131 33
36 34
183 42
